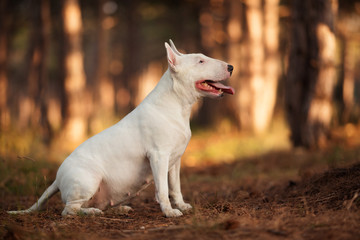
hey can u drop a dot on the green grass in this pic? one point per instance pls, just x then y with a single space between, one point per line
24 176
226 144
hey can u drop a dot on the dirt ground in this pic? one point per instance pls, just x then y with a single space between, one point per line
292 195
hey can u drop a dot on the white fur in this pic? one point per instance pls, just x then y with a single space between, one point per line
114 165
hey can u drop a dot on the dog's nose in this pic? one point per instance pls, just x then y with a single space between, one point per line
230 69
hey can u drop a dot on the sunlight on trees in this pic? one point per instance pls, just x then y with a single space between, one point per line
69 70
148 79
255 49
75 80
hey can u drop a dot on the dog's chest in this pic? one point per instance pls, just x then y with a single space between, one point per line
170 131
180 143
180 135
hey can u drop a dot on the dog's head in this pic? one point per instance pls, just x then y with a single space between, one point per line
198 73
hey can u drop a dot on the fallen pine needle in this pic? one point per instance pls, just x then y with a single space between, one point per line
116 219
349 203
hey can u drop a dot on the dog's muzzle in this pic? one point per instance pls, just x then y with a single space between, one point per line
230 69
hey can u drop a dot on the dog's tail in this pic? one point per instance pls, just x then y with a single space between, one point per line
40 204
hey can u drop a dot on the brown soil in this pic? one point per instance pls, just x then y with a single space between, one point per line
264 201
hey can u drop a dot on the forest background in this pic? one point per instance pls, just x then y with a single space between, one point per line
69 69
277 160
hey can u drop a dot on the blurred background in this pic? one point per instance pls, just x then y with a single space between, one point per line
71 68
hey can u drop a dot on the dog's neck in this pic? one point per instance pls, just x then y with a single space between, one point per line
171 94
187 97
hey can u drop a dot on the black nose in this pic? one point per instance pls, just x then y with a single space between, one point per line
230 69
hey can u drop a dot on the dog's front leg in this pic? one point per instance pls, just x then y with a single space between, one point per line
175 188
160 167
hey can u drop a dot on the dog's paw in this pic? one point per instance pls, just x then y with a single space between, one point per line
184 207
125 209
90 211
173 213
121 210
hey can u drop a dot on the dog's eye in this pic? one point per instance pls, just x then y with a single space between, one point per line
201 61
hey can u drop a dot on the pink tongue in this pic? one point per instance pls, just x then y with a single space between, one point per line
221 86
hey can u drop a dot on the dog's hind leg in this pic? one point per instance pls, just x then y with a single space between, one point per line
79 195
74 208
79 205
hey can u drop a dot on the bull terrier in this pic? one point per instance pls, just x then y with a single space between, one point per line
113 166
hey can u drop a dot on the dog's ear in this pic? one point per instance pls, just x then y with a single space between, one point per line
174 48
171 57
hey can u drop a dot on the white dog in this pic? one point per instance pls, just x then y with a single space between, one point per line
113 166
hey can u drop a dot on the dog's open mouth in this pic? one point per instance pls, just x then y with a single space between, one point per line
214 87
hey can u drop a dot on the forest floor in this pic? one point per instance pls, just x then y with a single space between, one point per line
282 195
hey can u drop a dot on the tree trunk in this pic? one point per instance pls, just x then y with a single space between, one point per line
43 89
212 21
104 92
348 85
131 59
75 82
4 29
104 86
33 107
311 72
29 111
236 54
257 87
256 55
271 65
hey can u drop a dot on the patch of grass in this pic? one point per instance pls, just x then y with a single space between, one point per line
14 143
226 144
24 176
